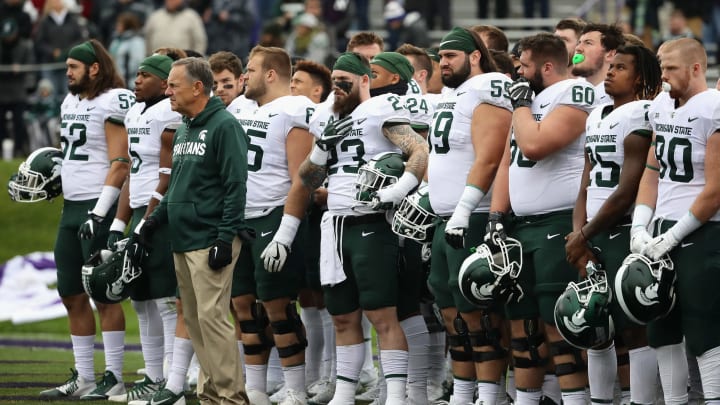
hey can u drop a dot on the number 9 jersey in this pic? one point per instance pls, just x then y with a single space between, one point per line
82 132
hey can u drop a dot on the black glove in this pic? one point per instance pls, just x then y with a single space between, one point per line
521 95
147 231
89 228
335 132
113 238
136 251
494 230
220 254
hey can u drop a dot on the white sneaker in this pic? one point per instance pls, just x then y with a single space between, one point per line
369 394
258 398
294 398
274 386
141 371
75 386
108 386
368 377
280 395
144 390
325 395
192 375
317 386
435 391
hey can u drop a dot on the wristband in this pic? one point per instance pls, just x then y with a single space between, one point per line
469 200
318 156
406 182
107 198
140 224
165 170
157 195
685 226
287 230
118 225
642 215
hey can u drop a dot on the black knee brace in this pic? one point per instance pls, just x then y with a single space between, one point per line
562 347
433 319
462 339
488 336
292 324
258 325
530 344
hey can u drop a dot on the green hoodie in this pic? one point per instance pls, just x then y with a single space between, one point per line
205 200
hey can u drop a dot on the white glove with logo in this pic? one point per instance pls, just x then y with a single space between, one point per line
277 251
639 236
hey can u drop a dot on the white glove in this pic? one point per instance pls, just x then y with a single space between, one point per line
457 225
391 196
277 251
639 237
660 245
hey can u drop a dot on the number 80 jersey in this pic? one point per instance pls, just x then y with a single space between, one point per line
82 131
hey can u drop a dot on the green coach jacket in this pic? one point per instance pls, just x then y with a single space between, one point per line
205 200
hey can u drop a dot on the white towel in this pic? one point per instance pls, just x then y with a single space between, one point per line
331 269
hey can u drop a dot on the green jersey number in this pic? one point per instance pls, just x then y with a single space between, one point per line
515 152
70 149
609 175
583 95
354 146
680 171
136 159
414 88
308 114
126 100
256 149
441 132
499 87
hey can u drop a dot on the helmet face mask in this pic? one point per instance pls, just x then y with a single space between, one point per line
488 278
381 171
108 275
38 177
582 312
646 289
414 218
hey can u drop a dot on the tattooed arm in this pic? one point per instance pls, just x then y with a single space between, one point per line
412 145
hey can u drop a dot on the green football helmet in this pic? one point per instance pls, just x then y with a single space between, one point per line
645 289
38 177
414 218
582 312
488 278
381 171
108 275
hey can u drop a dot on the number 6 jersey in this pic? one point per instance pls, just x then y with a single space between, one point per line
82 132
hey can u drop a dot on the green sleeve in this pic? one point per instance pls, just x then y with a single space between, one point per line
160 212
231 146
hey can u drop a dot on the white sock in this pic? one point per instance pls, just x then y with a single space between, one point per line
463 390
327 369
256 377
551 388
167 307
577 397
151 337
709 366
673 373
295 377
418 341
436 358
182 355
368 364
395 369
83 348
602 370
528 397
114 343
487 392
241 350
314 351
274 368
643 375
381 384
510 388
349 363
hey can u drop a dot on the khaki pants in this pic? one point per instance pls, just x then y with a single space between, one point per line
205 295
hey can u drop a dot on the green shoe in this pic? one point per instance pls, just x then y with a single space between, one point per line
107 386
142 390
75 386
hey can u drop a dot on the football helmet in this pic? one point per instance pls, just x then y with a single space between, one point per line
582 312
108 275
38 177
381 171
488 278
645 289
414 218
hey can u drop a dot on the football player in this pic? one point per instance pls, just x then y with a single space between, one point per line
94 168
539 179
617 139
279 141
569 29
467 137
679 190
597 45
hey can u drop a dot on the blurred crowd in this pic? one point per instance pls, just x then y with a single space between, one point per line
35 36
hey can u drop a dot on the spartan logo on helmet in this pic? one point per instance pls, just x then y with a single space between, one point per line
108 275
488 277
38 177
646 289
414 218
381 171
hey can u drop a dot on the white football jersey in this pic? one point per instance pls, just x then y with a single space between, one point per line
551 184
365 141
605 132
420 110
144 127
267 127
601 97
82 131
413 88
681 137
240 104
451 149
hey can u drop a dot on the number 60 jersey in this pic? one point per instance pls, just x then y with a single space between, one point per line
82 132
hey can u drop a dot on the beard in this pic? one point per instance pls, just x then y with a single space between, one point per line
81 85
536 82
256 92
457 78
346 105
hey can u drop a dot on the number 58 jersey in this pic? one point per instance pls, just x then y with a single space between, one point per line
82 131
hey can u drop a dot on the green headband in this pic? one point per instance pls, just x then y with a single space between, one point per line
158 65
459 39
394 63
84 52
351 62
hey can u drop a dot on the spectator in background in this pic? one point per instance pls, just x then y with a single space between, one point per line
337 15
128 46
15 49
502 9
175 25
404 28
107 13
644 19
228 24
59 30
677 27
272 35
43 113
693 10
529 8
431 9
308 39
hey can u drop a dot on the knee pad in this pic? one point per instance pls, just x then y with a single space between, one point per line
488 336
562 347
462 339
530 343
292 324
258 325
432 317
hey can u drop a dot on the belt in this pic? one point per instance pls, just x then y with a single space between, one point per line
539 217
361 219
